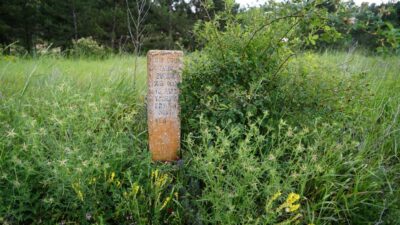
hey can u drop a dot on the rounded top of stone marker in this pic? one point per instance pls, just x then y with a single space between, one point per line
165 52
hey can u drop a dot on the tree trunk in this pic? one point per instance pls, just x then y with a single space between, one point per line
27 31
74 21
170 25
113 26
28 39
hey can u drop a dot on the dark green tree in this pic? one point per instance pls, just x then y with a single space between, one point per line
19 22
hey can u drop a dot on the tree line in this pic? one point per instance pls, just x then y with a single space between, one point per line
168 24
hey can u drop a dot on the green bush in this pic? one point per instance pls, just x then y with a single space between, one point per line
251 63
240 70
85 47
13 49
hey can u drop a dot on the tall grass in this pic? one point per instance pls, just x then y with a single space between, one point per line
68 129
332 138
73 148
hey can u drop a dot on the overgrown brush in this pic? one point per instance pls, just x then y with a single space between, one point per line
87 47
73 149
259 121
239 71
269 138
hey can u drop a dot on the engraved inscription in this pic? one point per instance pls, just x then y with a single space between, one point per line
163 90
164 68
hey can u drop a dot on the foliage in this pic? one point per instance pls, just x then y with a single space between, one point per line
256 123
169 24
271 135
70 145
239 71
87 47
331 176
373 27
330 147
73 148
13 49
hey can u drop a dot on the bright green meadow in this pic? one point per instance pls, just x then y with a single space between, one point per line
73 147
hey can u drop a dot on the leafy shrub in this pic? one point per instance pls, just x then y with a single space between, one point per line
13 49
239 70
87 47
44 48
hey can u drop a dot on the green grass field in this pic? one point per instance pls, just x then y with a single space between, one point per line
73 149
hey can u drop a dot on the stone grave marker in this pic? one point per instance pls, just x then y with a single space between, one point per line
163 76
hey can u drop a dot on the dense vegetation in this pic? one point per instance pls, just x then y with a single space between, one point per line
73 148
273 132
259 124
34 25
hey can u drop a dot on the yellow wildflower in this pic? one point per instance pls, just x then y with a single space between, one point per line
112 176
77 190
154 174
93 180
293 197
288 204
294 207
80 195
135 188
166 201
160 182
276 195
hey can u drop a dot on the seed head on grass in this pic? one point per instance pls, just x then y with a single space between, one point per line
11 133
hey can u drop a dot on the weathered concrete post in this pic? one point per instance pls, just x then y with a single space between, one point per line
163 75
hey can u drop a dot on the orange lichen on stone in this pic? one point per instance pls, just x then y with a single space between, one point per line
164 75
